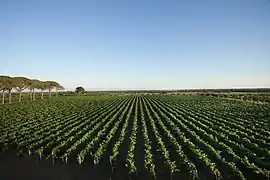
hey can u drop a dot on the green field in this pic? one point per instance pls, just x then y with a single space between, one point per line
143 136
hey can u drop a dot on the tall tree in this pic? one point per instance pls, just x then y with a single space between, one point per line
58 88
3 87
42 86
20 84
32 85
79 90
6 84
50 85
9 86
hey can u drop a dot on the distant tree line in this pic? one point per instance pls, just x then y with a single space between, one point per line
247 90
8 83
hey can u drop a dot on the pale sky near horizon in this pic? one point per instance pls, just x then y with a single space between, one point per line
142 44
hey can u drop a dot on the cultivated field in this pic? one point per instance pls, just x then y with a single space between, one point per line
135 136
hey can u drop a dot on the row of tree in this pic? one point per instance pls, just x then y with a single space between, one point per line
7 84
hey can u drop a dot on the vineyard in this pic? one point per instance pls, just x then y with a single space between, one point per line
143 136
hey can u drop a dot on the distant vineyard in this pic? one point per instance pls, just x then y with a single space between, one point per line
149 136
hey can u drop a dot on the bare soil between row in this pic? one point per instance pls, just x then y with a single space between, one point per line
13 167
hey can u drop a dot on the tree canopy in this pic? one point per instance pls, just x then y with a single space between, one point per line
8 83
79 90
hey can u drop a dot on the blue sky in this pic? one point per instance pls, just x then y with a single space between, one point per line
126 44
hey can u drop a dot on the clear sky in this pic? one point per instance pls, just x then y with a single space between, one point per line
137 44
